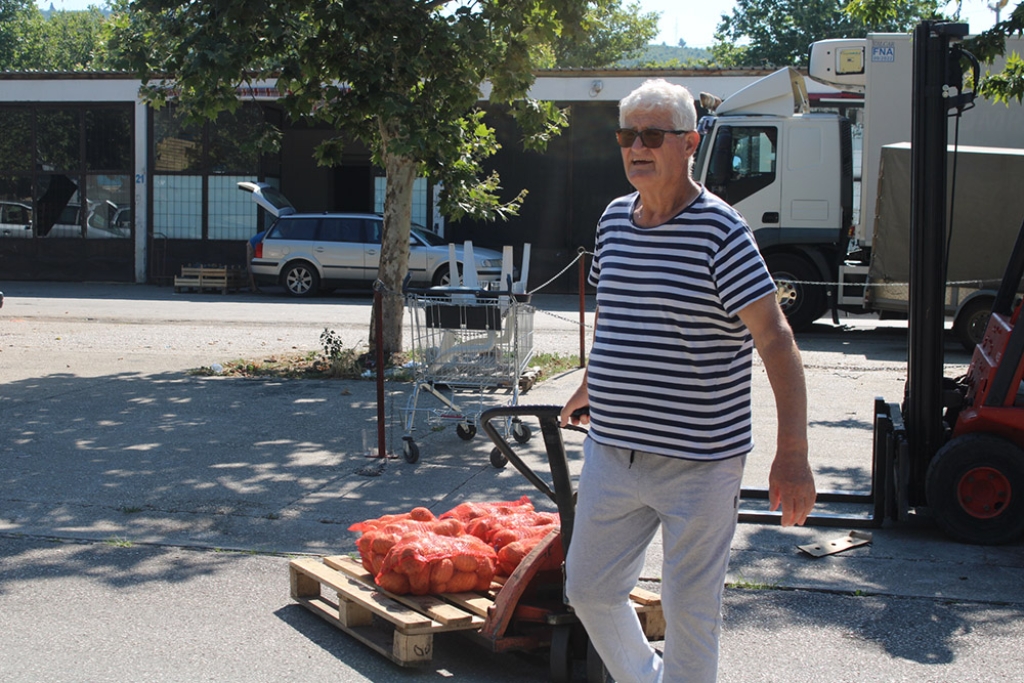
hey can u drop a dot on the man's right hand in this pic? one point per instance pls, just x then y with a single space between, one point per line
576 402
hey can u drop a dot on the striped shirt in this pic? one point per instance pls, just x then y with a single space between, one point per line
670 369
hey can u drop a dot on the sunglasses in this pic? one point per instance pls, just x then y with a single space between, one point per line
650 137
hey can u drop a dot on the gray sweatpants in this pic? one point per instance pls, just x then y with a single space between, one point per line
623 497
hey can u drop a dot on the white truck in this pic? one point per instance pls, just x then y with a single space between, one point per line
794 175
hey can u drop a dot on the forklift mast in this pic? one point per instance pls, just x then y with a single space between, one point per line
937 89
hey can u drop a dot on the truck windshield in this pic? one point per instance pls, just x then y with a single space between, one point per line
704 127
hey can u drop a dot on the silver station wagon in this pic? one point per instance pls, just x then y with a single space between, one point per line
308 252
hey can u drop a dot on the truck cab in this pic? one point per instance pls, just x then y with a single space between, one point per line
775 162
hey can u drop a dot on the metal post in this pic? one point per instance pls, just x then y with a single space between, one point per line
583 306
378 318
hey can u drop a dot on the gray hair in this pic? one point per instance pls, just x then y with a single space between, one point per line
659 94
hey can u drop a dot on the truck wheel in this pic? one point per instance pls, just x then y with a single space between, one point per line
971 322
975 489
301 279
802 303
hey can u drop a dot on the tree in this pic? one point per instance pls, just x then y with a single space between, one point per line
12 13
778 32
63 41
402 76
58 41
609 33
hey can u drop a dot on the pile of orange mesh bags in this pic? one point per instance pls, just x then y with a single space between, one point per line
462 550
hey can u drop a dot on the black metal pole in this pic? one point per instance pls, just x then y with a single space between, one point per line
923 407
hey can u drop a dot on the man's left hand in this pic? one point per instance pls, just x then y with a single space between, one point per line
791 487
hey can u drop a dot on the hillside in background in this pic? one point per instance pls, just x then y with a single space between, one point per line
670 55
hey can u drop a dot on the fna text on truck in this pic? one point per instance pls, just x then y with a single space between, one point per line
832 224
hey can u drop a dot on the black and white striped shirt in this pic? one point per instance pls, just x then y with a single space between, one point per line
670 369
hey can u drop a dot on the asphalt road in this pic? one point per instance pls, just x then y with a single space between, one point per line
147 515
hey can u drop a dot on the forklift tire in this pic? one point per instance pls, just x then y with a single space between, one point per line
971 322
801 302
975 489
561 654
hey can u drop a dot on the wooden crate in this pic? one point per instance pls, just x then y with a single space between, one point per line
223 278
402 627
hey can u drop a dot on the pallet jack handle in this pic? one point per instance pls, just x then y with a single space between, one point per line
559 490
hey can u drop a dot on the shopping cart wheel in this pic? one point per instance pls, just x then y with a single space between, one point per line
410 451
465 431
520 432
498 458
561 654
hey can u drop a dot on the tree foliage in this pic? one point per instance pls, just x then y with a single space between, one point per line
609 33
61 41
778 32
402 76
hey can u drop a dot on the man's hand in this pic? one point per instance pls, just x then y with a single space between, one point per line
791 487
576 401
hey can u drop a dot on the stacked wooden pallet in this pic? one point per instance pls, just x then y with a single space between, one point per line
402 627
223 278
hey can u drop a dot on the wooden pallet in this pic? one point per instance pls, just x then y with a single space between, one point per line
223 278
402 627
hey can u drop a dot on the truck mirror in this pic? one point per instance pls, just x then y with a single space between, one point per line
720 168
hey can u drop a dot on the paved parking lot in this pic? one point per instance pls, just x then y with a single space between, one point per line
146 514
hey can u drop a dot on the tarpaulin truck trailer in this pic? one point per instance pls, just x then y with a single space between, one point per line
986 217
792 173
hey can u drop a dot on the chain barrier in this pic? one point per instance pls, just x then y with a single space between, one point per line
952 283
580 254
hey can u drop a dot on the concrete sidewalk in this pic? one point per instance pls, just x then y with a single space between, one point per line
147 515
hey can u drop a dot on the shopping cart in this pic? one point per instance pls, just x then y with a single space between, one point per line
467 346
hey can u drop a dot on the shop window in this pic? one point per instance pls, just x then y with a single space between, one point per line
16 141
15 207
233 141
177 147
419 199
110 202
231 213
108 139
58 139
178 207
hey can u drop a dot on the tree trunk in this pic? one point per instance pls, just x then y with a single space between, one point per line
394 253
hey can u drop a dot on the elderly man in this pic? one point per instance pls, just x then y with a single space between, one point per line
683 299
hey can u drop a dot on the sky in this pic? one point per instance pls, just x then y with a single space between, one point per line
693 22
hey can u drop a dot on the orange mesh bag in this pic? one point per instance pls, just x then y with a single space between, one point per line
502 538
491 527
465 512
512 555
378 535
431 563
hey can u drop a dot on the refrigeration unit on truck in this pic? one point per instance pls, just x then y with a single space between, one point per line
792 174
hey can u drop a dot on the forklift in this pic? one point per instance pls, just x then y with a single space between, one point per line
954 447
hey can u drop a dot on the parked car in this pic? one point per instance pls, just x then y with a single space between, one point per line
306 252
16 221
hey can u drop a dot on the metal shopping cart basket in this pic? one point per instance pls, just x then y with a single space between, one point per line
467 347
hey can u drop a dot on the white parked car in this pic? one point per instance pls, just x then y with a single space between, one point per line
307 252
